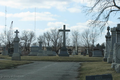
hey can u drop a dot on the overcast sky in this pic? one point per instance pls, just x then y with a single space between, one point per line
49 14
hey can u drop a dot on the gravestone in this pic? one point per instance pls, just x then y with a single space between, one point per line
63 51
113 40
16 55
50 52
4 51
97 52
100 77
74 52
40 50
108 40
116 51
34 50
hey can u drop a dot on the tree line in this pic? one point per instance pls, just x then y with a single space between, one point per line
52 38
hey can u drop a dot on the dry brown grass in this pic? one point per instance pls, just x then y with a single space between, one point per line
7 64
97 68
79 58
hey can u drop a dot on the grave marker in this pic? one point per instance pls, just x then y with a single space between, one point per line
116 51
16 55
100 77
108 40
113 40
63 51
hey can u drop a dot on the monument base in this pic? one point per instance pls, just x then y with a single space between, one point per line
51 53
109 59
63 52
33 54
40 53
16 56
117 68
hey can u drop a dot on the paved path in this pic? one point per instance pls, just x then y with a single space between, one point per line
42 71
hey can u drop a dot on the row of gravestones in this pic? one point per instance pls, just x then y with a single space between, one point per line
95 52
112 50
37 51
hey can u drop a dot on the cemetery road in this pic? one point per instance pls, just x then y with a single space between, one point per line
42 71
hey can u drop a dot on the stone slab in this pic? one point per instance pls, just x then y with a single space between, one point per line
16 56
100 77
97 53
63 52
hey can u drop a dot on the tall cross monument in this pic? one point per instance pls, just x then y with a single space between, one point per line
16 55
63 51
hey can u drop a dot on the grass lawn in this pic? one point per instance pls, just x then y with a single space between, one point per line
78 58
97 68
7 64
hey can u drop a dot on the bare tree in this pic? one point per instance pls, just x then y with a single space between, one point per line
55 37
105 8
94 36
42 39
89 37
48 38
85 38
75 38
27 38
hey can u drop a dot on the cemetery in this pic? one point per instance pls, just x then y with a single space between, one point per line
101 60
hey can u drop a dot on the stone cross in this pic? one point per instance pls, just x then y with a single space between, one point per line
64 39
16 33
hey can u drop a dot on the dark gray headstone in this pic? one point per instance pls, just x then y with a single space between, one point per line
100 77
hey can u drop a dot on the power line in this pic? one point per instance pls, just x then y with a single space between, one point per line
5 22
35 21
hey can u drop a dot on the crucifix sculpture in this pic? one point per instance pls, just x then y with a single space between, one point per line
16 33
63 51
64 38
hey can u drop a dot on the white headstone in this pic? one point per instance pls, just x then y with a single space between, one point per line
116 51
113 40
108 42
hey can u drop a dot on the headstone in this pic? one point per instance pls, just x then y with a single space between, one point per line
40 50
107 49
113 40
63 51
34 50
97 52
4 51
116 51
16 55
50 52
87 51
74 52
100 77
